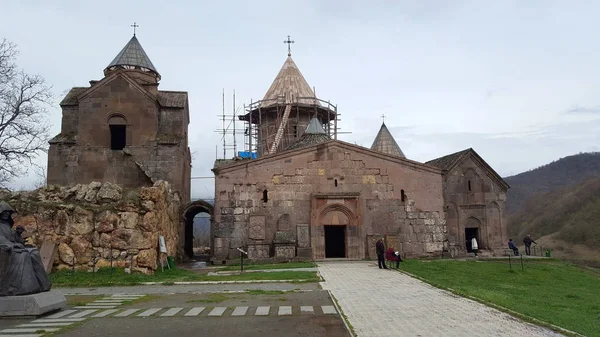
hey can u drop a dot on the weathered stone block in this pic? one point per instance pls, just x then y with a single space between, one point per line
256 227
32 305
128 220
65 253
284 237
304 252
391 241
371 240
109 192
284 222
303 235
107 221
147 258
285 250
124 238
433 247
258 251
81 222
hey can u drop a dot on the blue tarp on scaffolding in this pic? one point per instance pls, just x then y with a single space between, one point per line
246 154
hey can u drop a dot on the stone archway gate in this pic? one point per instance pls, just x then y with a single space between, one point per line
188 213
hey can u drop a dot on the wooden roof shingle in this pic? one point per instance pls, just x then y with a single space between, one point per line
289 83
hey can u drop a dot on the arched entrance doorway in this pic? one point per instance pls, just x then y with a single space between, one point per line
197 217
335 233
334 224
473 230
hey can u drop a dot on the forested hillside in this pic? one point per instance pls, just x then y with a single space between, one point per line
563 172
559 205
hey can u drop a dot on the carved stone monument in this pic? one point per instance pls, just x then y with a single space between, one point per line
259 251
285 245
24 284
303 236
257 248
257 227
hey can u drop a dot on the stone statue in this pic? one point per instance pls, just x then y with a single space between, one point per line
21 268
19 235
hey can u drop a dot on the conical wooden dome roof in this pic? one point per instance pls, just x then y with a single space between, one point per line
384 142
290 84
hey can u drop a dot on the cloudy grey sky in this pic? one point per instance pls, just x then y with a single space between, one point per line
519 81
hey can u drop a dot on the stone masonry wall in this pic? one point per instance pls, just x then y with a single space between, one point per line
91 222
480 207
156 139
335 169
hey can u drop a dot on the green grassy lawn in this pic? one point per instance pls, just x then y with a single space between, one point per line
106 277
264 266
551 291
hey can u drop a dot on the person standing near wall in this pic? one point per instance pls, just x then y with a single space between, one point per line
380 250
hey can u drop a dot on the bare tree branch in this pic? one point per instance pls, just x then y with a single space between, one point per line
24 130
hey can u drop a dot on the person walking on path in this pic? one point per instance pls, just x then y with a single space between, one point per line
528 241
380 250
474 246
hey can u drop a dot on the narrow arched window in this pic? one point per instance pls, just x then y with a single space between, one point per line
402 196
265 196
469 183
118 132
335 182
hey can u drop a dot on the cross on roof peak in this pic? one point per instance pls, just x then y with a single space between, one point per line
289 43
135 25
383 118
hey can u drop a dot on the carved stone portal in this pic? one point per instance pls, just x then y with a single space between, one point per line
257 227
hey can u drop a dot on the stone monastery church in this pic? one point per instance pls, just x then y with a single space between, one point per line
299 192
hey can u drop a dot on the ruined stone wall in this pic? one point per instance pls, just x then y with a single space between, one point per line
334 171
92 222
481 206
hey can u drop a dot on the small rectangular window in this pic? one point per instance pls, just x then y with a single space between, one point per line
118 137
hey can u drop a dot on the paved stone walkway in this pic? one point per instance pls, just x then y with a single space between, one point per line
187 289
381 302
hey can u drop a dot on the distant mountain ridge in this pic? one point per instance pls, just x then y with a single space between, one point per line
563 172
559 205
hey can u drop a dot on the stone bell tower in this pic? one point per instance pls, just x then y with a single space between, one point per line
281 117
122 129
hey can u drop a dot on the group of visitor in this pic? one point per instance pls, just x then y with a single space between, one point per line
527 241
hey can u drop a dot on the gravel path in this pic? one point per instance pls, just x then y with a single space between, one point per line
381 302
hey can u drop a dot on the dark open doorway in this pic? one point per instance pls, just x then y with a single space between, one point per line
469 234
335 241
